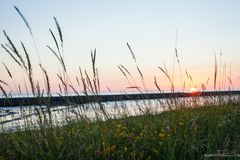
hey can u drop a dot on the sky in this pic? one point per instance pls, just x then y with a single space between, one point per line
153 28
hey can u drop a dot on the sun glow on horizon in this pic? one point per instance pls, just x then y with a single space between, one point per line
193 89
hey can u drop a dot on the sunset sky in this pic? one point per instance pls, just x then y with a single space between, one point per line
199 29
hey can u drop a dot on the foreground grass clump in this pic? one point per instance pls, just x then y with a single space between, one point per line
186 133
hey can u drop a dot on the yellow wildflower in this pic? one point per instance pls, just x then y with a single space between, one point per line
110 149
162 135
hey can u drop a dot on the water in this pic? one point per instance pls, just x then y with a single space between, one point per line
15 118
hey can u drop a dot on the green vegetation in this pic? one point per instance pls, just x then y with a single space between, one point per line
186 133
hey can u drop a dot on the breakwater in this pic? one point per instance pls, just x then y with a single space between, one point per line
81 99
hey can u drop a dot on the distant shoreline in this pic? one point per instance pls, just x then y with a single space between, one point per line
63 100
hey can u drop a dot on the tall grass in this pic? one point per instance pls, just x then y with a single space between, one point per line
160 129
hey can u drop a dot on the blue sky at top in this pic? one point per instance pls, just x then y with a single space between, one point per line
204 27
